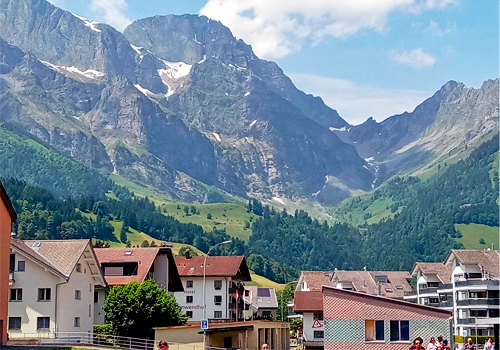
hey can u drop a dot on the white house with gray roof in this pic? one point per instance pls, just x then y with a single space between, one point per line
52 287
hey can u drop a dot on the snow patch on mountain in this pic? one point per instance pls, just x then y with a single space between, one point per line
172 75
90 24
216 136
253 123
137 49
146 92
74 72
339 129
279 200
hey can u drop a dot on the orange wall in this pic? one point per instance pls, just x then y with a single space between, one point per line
5 222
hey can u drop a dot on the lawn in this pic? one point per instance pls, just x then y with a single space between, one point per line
260 281
472 233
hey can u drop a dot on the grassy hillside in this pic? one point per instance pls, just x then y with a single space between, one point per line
472 233
260 281
229 216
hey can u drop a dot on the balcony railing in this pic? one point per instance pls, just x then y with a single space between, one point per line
446 286
428 291
446 303
466 321
477 283
478 302
410 293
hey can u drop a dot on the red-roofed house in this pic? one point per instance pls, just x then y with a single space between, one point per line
224 288
121 266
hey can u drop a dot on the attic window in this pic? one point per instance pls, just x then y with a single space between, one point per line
36 244
128 252
388 290
399 287
192 268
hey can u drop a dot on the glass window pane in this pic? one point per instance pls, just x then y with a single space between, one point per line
369 330
379 330
394 330
405 330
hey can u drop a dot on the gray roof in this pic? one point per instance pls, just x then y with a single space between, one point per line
262 298
489 260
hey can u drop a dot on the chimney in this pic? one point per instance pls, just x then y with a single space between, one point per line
187 254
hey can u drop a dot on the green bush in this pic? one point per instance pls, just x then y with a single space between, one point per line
480 339
103 329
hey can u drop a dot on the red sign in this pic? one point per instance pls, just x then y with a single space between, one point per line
316 324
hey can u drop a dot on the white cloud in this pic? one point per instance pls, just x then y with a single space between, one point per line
279 27
111 12
356 103
436 30
415 58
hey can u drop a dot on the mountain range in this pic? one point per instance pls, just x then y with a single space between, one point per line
179 104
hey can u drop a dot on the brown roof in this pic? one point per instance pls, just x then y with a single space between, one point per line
60 256
217 266
442 271
305 301
365 282
316 279
8 204
368 297
487 259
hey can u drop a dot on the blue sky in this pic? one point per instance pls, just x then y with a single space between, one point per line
364 58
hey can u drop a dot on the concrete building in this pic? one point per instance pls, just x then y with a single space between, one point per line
467 283
7 217
262 303
121 266
52 287
308 299
356 320
224 286
247 335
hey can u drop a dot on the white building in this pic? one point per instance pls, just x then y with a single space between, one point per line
262 303
121 266
52 286
467 283
224 286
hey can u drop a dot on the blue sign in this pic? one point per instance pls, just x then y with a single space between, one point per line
204 324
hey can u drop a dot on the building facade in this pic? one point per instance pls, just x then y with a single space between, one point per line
222 292
261 302
7 217
355 320
121 266
52 288
467 283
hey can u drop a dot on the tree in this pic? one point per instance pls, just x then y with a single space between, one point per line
284 296
209 216
193 209
145 244
100 244
133 310
186 210
123 234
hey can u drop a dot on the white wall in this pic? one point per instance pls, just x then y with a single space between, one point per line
99 314
160 267
308 321
197 292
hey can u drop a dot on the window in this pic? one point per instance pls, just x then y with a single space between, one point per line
189 314
90 310
189 284
42 322
400 330
16 294
96 297
374 330
12 262
266 314
43 294
78 294
478 313
14 323
189 298
77 322
218 299
218 284
217 314
78 267
90 287
318 315
319 334
21 266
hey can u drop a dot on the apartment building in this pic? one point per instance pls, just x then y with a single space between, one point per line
7 217
224 286
261 302
467 283
121 266
308 299
52 287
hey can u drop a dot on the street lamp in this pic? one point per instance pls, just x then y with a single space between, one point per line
205 288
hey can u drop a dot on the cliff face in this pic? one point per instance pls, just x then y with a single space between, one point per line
173 100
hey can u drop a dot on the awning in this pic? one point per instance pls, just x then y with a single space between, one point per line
227 329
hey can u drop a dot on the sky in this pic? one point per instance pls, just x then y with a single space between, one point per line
364 58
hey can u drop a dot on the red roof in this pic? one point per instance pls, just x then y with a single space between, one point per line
317 279
305 301
145 258
217 266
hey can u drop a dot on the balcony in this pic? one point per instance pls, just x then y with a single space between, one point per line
467 302
466 321
411 293
446 286
11 278
477 283
428 291
445 303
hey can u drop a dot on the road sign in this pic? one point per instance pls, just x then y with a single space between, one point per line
204 324
316 324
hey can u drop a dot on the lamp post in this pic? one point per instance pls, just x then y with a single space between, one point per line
205 288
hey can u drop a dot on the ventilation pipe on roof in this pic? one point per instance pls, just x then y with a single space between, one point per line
187 254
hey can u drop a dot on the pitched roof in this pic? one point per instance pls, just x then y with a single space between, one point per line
442 271
217 266
145 258
366 282
316 279
487 259
305 301
59 256
262 298
8 204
